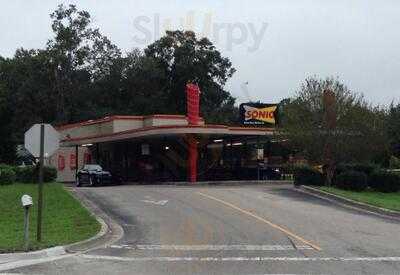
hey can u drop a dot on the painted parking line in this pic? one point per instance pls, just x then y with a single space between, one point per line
261 219
241 259
213 247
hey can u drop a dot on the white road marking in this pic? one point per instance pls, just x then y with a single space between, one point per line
162 203
213 247
22 263
242 259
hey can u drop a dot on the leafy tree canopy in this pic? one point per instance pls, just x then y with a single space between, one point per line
393 127
355 131
185 58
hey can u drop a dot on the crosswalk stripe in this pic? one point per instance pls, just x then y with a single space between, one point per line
213 247
243 259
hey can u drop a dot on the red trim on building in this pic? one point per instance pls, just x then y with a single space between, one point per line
72 161
61 162
144 129
119 117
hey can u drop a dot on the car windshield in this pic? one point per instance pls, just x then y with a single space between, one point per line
92 167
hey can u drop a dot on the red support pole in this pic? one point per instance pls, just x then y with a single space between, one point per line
192 160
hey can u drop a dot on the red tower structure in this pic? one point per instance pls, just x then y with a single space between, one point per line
193 103
193 113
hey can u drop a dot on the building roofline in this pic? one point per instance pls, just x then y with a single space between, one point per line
118 117
192 129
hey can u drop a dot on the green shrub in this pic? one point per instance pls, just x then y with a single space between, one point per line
352 180
366 168
30 174
306 175
7 176
26 174
394 162
49 174
5 166
384 181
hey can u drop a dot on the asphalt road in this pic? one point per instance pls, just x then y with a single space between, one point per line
233 230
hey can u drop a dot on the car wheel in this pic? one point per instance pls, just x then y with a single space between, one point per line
78 182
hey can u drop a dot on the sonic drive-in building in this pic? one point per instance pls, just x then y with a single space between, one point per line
160 148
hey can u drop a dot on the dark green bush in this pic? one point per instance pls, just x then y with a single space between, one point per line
306 175
352 180
5 166
30 174
366 168
26 174
394 162
384 181
49 174
7 175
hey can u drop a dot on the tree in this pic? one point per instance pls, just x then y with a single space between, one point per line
26 77
393 124
185 58
331 124
8 142
78 55
143 83
55 85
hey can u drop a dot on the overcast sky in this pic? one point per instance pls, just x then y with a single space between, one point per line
273 44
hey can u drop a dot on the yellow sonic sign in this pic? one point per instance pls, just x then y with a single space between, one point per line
258 114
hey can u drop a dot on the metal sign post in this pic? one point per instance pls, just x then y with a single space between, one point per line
41 140
40 185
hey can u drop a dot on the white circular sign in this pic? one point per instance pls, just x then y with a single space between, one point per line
51 140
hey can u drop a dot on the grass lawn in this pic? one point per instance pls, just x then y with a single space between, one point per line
383 200
64 219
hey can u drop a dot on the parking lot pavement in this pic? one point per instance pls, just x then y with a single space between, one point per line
232 230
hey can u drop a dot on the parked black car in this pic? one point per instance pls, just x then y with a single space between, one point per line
93 174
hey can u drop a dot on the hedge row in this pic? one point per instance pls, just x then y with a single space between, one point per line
384 181
354 177
27 174
352 180
365 168
360 177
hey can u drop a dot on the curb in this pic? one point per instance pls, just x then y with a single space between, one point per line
348 203
109 233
